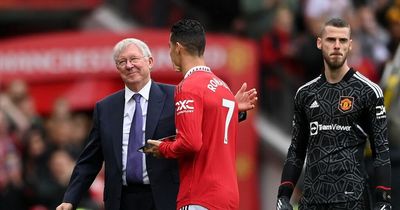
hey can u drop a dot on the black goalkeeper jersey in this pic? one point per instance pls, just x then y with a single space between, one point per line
331 125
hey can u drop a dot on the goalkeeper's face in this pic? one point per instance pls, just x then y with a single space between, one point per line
335 44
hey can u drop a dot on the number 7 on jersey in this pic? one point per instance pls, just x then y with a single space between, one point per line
230 105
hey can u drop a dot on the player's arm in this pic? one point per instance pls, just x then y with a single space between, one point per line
188 121
295 157
377 130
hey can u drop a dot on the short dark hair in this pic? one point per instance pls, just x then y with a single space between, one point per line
190 34
335 22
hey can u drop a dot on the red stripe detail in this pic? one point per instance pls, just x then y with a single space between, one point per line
288 182
383 188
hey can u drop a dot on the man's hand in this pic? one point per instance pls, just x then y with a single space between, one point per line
153 149
383 206
283 204
65 206
246 99
383 198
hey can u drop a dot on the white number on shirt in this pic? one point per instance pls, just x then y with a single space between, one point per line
230 105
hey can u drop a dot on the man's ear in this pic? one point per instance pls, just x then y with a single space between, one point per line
351 44
179 47
319 43
151 62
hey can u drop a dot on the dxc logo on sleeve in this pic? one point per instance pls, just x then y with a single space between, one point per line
380 112
184 106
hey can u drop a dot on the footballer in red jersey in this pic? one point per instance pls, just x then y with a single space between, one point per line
206 118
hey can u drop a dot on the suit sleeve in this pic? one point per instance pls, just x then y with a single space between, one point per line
188 121
87 167
296 152
377 132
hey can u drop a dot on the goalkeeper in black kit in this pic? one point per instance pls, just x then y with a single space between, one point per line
334 115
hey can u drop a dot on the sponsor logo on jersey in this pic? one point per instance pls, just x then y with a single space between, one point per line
346 103
314 105
380 112
315 127
184 106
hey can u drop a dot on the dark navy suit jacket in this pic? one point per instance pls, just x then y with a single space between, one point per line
105 145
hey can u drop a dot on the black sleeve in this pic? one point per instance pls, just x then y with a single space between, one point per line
297 151
377 132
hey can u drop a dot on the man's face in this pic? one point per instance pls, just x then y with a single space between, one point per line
133 67
335 44
173 54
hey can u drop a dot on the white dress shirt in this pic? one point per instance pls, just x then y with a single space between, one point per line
129 110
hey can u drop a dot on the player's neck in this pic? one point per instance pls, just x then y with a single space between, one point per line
190 62
336 75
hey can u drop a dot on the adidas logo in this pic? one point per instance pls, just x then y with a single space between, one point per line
314 105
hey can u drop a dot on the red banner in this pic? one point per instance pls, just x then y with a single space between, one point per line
48 4
59 58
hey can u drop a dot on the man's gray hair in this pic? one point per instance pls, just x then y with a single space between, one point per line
120 46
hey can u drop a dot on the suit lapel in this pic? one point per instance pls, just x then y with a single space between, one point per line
154 109
116 124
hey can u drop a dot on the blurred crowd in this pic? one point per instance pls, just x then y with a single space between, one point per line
37 153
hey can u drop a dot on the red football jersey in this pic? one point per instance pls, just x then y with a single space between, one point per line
206 115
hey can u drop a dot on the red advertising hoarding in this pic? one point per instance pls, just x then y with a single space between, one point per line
48 4
78 66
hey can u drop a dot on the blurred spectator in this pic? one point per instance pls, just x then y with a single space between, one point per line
80 123
35 157
380 8
317 12
28 109
308 55
11 182
280 72
255 18
60 166
393 17
373 38
60 128
15 93
315 9
17 90
48 190
362 63
20 109
390 83
61 110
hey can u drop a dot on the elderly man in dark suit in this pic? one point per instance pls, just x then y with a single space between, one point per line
133 180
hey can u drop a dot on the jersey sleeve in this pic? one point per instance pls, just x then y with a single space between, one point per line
296 152
378 137
188 121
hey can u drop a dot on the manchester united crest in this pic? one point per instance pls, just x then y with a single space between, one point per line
346 103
